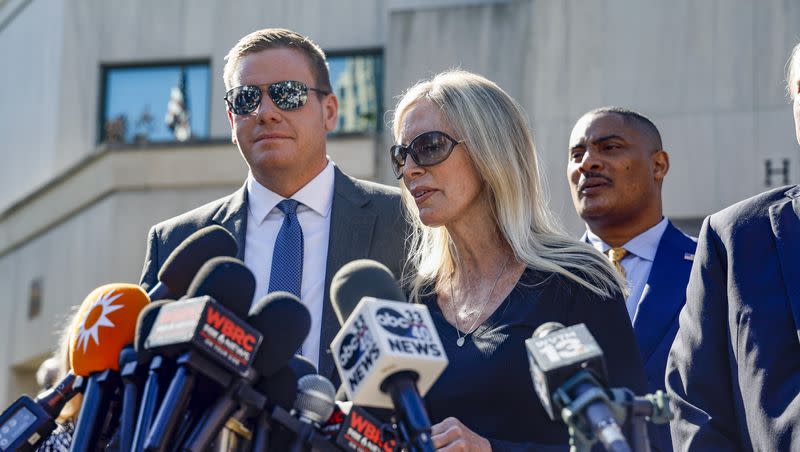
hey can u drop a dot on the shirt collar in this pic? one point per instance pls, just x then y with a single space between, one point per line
643 245
317 195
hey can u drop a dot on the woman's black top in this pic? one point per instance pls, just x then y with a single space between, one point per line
487 383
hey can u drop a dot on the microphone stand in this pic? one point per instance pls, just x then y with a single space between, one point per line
624 405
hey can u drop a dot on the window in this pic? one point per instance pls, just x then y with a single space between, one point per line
35 298
155 103
357 80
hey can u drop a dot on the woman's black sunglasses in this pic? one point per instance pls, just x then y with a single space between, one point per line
426 149
287 95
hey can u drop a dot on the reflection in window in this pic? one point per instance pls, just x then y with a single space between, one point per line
144 104
357 79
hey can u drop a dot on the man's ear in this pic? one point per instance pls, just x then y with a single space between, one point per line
233 130
660 161
330 111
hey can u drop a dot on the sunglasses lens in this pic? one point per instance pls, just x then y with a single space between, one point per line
431 148
398 158
288 95
244 99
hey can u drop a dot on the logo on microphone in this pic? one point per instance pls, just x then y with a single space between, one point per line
97 316
355 344
411 325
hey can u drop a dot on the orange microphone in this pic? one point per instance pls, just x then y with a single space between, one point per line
104 324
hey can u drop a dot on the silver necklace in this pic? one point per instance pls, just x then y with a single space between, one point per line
462 339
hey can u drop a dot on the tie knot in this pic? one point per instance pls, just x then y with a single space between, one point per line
288 206
616 255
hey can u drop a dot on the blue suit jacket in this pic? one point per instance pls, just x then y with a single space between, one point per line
656 322
734 369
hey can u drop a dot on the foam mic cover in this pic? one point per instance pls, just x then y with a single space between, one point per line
104 324
284 323
281 387
358 279
144 324
186 259
227 280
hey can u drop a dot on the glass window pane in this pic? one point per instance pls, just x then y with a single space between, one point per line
155 104
357 81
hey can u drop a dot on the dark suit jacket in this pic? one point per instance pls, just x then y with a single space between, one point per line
366 222
656 321
734 368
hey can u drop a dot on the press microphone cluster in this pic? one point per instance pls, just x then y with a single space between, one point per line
99 348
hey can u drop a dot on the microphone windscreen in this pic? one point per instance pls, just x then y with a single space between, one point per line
104 324
301 366
284 323
280 388
144 324
184 262
228 281
358 279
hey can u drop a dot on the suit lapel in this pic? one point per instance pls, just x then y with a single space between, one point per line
352 224
665 291
785 219
232 215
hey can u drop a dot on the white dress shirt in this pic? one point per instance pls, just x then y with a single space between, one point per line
264 220
637 263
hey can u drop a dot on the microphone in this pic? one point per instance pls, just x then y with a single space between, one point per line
281 391
28 422
212 342
358 279
103 325
567 367
284 323
388 353
218 276
130 382
313 406
158 368
186 259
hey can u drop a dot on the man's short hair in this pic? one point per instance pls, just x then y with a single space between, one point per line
792 71
279 38
641 121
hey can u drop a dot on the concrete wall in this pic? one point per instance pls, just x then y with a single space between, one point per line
709 74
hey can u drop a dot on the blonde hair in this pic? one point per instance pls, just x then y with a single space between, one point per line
791 72
501 147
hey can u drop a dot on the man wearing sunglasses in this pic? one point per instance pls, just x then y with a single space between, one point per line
297 218
615 169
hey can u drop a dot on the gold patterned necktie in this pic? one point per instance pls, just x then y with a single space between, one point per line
615 255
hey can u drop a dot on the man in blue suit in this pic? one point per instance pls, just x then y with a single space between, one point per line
616 169
734 369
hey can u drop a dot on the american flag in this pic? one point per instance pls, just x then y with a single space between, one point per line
177 117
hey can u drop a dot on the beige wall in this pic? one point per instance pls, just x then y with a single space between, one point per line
709 74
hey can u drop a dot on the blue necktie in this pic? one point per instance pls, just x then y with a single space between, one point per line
287 258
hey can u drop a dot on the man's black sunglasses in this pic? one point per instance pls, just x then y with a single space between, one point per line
287 95
426 149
